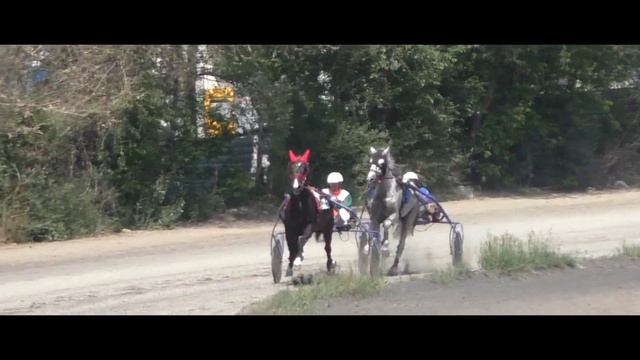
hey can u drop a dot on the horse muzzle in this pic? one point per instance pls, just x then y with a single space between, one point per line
372 176
297 186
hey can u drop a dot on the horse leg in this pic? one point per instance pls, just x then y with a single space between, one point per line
292 244
374 227
405 225
327 234
403 236
302 240
387 224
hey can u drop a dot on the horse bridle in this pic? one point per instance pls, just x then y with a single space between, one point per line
381 173
302 176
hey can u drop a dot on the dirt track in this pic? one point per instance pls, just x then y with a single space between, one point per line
597 287
214 270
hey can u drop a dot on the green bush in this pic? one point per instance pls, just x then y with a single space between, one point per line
65 211
170 214
237 188
204 207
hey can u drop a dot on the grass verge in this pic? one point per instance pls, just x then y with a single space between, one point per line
301 301
508 254
451 273
630 251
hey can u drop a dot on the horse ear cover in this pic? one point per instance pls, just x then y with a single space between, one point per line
292 156
305 156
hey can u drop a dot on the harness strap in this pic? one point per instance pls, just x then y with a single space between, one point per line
316 196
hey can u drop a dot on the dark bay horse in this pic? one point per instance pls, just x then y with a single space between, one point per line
302 215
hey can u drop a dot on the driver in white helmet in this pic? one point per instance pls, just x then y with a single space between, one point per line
429 211
342 217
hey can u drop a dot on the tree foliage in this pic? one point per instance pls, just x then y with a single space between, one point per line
101 137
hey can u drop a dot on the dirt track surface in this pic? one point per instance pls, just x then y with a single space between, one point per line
598 287
216 270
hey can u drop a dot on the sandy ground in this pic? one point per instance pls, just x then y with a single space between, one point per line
218 270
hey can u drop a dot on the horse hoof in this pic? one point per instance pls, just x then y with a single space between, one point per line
385 249
297 261
289 272
393 271
331 265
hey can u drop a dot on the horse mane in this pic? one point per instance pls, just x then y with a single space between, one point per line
395 168
391 163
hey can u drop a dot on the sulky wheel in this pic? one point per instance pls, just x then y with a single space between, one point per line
363 253
277 251
375 257
457 240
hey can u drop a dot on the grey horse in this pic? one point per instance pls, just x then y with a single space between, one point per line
385 202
